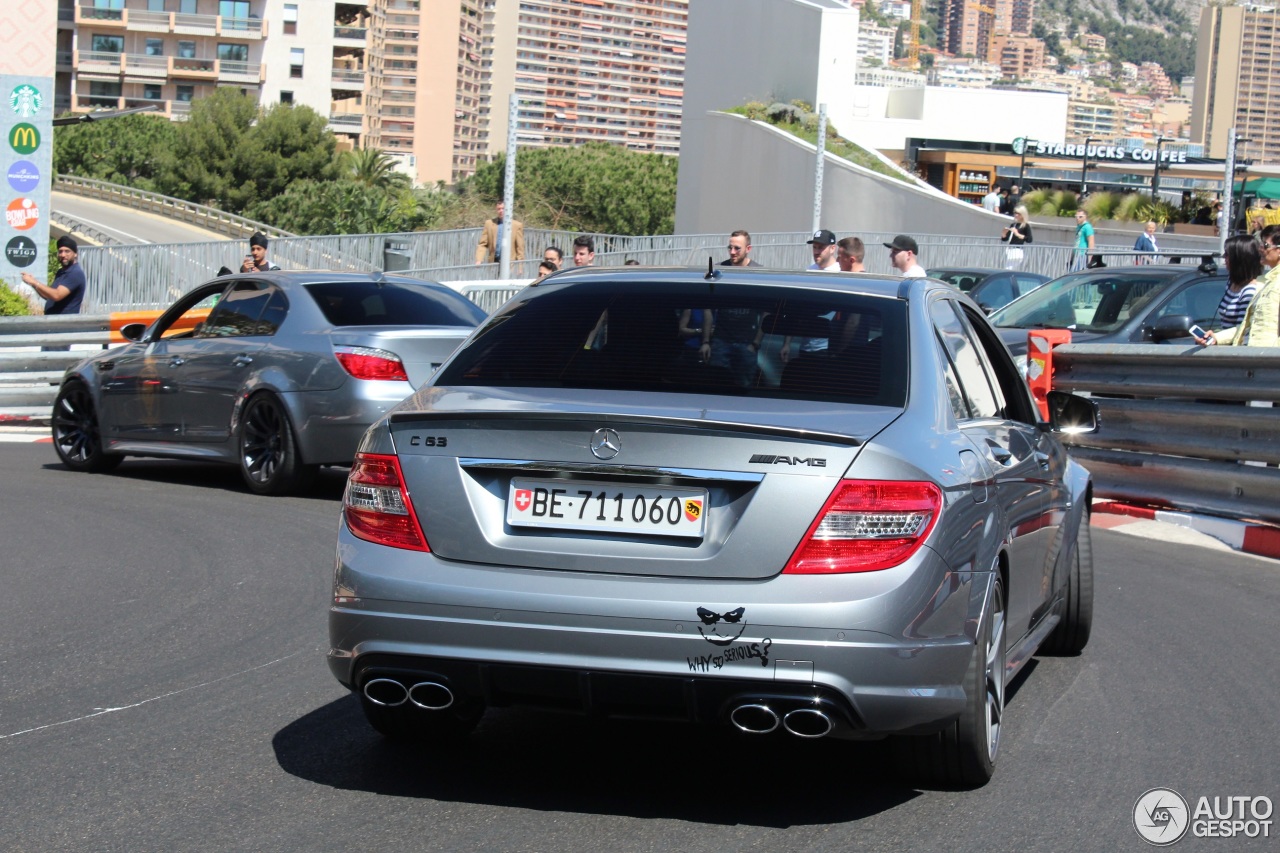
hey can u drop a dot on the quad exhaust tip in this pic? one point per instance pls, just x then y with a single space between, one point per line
426 695
759 719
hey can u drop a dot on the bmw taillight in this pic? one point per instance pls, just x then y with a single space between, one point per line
376 504
866 526
371 363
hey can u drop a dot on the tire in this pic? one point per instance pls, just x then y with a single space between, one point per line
75 431
269 460
1072 633
964 754
409 725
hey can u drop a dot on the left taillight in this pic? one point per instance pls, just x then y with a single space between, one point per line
370 363
866 526
376 504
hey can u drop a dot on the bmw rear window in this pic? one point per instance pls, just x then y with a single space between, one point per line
369 303
790 343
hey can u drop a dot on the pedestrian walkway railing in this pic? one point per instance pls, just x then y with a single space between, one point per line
128 277
202 216
1189 428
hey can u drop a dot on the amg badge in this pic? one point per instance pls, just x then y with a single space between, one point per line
767 459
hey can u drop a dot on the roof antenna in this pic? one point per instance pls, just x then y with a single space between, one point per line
711 275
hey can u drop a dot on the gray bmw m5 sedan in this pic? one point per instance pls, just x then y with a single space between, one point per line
276 372
795 504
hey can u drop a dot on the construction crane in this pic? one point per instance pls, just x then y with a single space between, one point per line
913 50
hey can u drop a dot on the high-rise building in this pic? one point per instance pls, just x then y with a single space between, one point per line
1238 80
586 70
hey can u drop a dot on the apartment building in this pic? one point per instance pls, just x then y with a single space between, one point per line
586 70
1238 81
166 54
1017 55
875 43
428 83
1103 122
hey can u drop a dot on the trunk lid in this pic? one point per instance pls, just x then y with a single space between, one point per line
422 349
736 484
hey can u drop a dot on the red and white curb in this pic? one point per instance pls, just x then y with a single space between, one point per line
1248 537
24 435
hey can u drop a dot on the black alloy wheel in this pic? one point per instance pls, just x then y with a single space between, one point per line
75 431
269 460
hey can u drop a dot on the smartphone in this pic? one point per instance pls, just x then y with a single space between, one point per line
1197 332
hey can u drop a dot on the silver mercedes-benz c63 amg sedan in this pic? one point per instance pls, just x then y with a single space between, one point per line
798 504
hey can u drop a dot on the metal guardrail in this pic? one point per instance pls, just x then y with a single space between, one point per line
75 226
209 218
1191 428
29 376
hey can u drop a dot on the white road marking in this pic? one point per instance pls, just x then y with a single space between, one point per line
110 228
98 712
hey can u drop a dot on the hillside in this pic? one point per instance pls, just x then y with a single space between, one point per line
1160 31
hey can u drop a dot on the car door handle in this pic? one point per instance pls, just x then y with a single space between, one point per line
177 361
1002 455
106 365
242 360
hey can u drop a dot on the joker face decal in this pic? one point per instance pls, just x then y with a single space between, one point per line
721 629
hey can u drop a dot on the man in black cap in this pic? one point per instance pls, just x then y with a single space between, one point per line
66 292
256 260
902 254
824 251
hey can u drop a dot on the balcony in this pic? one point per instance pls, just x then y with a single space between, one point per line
188 68
356 34
91 62
141 20
64 60
348 122
236 71
347 78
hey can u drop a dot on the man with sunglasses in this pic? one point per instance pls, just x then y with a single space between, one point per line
739 251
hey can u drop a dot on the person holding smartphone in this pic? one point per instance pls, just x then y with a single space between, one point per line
256 260
1260 325
1017 234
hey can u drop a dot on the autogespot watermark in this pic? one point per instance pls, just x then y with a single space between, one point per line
1162 817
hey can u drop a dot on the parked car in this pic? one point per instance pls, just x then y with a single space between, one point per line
276 372
582 512
1155 303
990 288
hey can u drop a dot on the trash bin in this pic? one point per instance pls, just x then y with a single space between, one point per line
396 257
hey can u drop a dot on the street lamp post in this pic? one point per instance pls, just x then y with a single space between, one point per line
1084 167
1155 178
1022 167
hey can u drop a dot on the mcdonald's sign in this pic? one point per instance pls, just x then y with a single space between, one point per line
24 138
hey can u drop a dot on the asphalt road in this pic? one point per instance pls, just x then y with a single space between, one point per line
162 637
127 225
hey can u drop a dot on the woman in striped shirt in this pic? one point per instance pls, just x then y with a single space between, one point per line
1244 266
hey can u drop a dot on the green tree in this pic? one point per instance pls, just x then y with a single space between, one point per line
230 155
339 207
127 150
596 187
202 166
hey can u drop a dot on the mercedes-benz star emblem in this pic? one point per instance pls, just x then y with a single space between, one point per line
606 443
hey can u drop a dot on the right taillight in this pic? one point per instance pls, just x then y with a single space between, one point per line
867 525
371 363
376 504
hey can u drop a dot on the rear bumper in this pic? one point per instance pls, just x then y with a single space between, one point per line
330 424
886 654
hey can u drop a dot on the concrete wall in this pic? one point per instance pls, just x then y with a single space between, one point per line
754 176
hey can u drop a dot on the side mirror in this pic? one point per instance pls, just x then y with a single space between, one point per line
1070 414
132 331
1171 326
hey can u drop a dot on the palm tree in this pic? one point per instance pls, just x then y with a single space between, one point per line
373 168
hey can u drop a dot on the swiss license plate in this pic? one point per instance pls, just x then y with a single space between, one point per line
607 507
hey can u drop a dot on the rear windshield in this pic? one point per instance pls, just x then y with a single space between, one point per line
1085 302
368 303
764 341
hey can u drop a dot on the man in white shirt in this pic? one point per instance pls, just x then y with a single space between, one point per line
991 201
902 254
824 251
